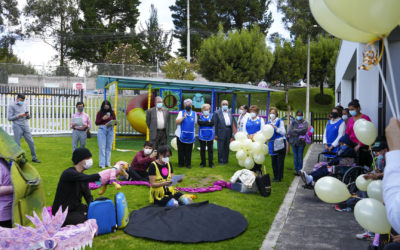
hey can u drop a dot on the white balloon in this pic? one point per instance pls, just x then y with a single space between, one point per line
248 144
331 190
362 183
248 163
365 131
265 149
241 155
375 190
241 163
235 146
174 144
240 136
256 148
259 158
371 215
268 131
259 137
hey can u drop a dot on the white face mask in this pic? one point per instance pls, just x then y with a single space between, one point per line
253 115
147 151
240 111
272 116
88 163
165 159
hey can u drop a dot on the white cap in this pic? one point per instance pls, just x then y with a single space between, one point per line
187 100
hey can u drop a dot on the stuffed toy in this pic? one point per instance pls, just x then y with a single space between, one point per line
110 175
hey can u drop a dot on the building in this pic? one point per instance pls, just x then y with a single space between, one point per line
366 86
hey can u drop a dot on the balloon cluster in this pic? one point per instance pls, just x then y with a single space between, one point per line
249 152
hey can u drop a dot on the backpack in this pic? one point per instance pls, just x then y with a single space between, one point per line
308 136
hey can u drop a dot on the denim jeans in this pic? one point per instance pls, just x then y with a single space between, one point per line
298 157
105 137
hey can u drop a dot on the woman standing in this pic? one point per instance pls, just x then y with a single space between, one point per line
335 129
277 157
243 116
296 134
185 131
105 134
365 158
206 135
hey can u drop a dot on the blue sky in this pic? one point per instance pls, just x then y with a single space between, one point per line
36 52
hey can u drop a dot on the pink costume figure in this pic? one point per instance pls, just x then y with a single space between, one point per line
110 175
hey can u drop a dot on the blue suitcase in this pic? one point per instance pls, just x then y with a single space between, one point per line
103 211
121 208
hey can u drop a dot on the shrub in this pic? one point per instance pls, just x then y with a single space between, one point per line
281 105
323 99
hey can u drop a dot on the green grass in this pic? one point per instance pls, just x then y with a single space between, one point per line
55 154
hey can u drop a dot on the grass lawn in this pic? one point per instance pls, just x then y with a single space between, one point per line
55 155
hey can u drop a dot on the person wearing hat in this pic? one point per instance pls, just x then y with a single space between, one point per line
185 131
73 185
380 148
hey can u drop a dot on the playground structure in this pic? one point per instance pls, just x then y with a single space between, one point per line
173 93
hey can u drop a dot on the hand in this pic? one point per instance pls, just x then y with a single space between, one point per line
105 117
167 183
84 126
396 238
393 134
326 147
73 125
153 154
330 148
232 139
216 138
184 116
117 186
357 148
368 176
21 115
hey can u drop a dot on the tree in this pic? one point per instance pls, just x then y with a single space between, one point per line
179 68
53 19
157 43
239 57
205 16
9 21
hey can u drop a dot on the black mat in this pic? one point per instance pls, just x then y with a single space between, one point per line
198 222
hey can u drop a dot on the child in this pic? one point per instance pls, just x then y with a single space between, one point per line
138 169
6 194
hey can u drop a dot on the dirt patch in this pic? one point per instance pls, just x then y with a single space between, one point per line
203 181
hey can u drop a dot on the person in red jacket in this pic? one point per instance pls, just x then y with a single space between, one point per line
141 162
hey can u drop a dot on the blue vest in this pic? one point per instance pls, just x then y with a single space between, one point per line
274 137
206 133
253 127
332 132
187 127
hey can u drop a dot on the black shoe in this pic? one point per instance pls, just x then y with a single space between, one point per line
189 167
276 180
36 161
202 165
296 174
212 166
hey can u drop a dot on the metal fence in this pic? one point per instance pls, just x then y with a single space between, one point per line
318 121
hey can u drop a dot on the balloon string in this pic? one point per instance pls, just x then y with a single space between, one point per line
386 90
397 114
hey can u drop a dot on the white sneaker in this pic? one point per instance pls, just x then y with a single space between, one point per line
365 236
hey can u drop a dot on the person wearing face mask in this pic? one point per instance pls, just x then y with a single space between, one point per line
277 157
185 131
345 115
105 135
206 135
141 162
17 114
334 130
160 175
80 123
157 122
243 116
364 155
296 132
73 185
223 131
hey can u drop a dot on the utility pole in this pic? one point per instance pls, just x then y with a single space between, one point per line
188 33
308 82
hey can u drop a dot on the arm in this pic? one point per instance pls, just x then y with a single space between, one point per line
216 121
143 160
72 121
4 190
99 118
324 141
148 117
154 184
342 131
86 192
76 176
180 118
10 114
89 122
281 129
301 131
391 188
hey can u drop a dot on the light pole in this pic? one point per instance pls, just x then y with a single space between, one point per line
308 77
188 33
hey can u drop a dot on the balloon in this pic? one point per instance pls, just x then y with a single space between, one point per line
268 131
174 144
240 136
241 163
259 158
235 146
362 183
371 215
256 148
248 163
331 190
337 26
241 155
375 190
265 149
259 137
248 144
365 131
378 17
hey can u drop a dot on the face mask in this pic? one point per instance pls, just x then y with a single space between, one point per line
88 163
147 151
159 105
345 117
353 112
335 115
240 111
188 108
272 116
20 103
379 158
165 159
80 109
206 112
253 115
299 118
224 107
344 147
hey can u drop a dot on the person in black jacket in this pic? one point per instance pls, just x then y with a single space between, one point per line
74 184
206 135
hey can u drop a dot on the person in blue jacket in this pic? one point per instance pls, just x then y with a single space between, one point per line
185 131
206 135
277 156
335 129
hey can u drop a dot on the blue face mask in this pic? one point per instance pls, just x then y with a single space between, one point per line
353 112
379 158
344 147
345 117
299 118
224 107
206 112
20 103
159 105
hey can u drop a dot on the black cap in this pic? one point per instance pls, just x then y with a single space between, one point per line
80 154
380 144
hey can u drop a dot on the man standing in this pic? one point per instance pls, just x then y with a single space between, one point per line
157 122
223 131
18 114
185 131
80 123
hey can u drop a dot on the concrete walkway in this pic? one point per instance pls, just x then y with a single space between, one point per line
305 222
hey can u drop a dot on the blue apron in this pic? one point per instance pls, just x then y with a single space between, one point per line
187 127
274 137
253 127
206 133
332 132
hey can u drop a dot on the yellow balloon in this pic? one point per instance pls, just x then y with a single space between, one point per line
259 137
241 163
365 131
265 149
234 146
240 136
241 155
256 148
248 163
375 190
362 183
371 215
378 17
259 158
268 131
336 26
331 190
